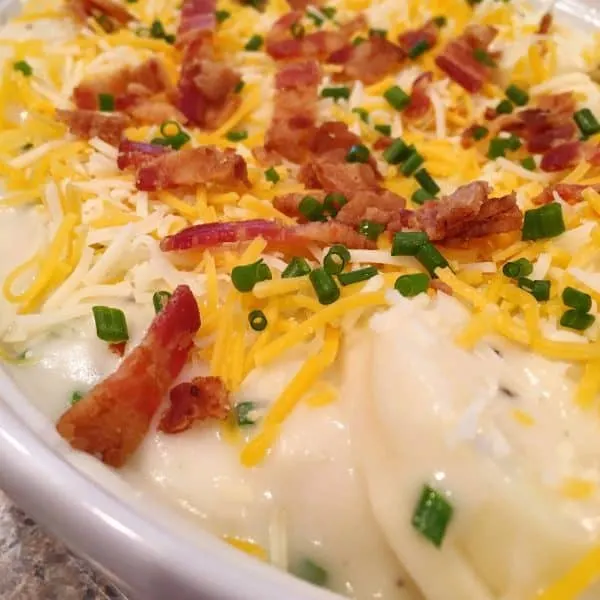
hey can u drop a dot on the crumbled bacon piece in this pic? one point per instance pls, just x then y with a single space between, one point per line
457 59
572 193
333 135
380 206
136 154
420 104
569 155
118 348
155 112
545 24
201 399
265 158
383 143
196 16
293 124
428 33
117 14
86 124
113 418
466 139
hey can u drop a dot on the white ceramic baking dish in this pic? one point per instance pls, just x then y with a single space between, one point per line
148 550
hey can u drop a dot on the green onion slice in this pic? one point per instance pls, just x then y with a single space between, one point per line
396 97
370 229
576 319
245 277
333 203
357 276
246 413
412 284
407 243
23 67
358 153
543 222
577 299
432 515
111 325
257 320
272 175
311 208
76 396
587 122
419 48
505 107
517 95
421 196
325 287
106 102
310 571
336 92
160 300
431 258
412 163
396 152
254 43
297 267
237 136
427 182
383 129
336 259
518 268
538 288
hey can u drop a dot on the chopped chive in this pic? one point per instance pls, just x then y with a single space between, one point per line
333 203
311 208
76 397
412 163
254 43
272 175
431 258
111 325
419 48
239 86
480 55
324 285
245 277
517 95
505 107
383 129
577 299
382 33
106 102
297 30
311 572
518 268
432 515
362 113
316 19
538 288
421 196
159 300
297 267
328 11
396 97
336 259
479 132
576 319
440 21
23 67
543 222
358 153
427 182
407 243
529 163
245 414
336 92
236 136
396 152
370 229
357 276
586 121
257 320
222 15
412 285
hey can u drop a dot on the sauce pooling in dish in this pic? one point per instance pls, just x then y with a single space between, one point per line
324 278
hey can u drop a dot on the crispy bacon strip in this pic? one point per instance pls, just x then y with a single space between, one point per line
293 125
86 124
136 154
420 104
428 33
572 193
197 400
113 418
82 9
569 155
380 206
212 235
457 59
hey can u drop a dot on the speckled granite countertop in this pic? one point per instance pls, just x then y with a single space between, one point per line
33 566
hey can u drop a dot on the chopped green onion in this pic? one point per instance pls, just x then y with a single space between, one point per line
336 259
357 276
311 208
577 299
586 121
538 288
362 113
396 97
412 285
328 11
513 142
517 268
431 258
222 15
479 132
517 95
166 126
370 229
245 277
543 222
245 414
336 92
316 19
440 21
412 163
496 148
382 33
254 43
76 397
333 203
159 300
239 86
157 30
111 325
325 287
407 243
131 1
176 139
297 30
432 515
505 107
358 40
419 48
257 320
358 153
311 572
106 102
480 55
297 267
421 196
236 136
272 175
396 152
23 67
427 182
576 319
383 129
529 163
